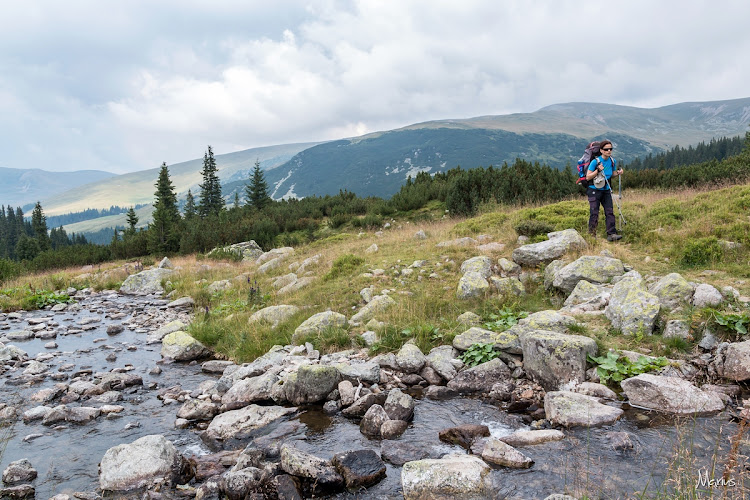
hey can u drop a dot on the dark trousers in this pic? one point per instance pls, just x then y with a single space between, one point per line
603 197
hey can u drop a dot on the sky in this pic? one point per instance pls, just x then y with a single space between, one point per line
124 85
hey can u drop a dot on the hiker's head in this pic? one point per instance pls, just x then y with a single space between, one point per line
606 148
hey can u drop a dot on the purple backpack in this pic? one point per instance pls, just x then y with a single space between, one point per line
592 152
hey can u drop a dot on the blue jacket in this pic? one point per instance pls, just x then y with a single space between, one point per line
609 167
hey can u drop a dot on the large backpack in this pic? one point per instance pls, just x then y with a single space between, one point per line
591 152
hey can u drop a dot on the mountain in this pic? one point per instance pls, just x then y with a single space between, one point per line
22 187
378 164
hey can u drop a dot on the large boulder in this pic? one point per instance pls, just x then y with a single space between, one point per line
503 341
673 291
313 469
442 359
239 424
399 405
318 323
274 314
481 265
455 476
737 361
251 390
594 269
246 250
632 309
556 359
500 453
180 346
670 395
359 371
310 384
707 296
146 282
360 468
472 284
571 409
594 297
558 244
145 462
410 358
377 305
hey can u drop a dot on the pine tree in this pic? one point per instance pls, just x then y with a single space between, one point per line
190 210
211 202
257 190
163 235
132 220
39 226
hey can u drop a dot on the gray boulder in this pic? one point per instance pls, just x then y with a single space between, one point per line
707 296
304 465
19 471
318 323
530 438
180 346
480 378
594 269
274 314
310 384
503 341
359 468
238 424
455 476
472 284
441 359
673 291
737 361
670 395
146 282
399 406
481 265
500 453
558 244
247 250
251 390
556 359
410 358
377 305
632 309
145 462
373 420
571 409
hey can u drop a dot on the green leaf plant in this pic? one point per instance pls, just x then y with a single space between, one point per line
614 367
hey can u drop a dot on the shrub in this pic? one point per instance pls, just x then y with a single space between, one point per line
701 252
345 265
8 270
338 220
532 228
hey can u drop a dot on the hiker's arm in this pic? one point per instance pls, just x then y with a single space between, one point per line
592 173
617 172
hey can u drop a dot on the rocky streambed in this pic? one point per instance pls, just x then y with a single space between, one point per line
91 407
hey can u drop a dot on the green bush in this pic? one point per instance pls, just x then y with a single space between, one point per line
368 221
344 266
532 228
338 220
9 270
701 252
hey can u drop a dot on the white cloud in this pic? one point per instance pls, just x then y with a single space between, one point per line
125 86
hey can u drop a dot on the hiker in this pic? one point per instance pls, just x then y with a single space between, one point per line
599 192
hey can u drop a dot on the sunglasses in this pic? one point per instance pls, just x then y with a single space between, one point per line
606 149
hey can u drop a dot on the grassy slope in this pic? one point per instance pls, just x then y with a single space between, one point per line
660 237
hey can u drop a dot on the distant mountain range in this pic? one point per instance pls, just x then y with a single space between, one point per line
20 187
378 164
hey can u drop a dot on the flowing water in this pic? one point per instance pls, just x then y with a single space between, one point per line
665 450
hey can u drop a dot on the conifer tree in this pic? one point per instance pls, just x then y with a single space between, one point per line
257 190
211 202
39 226
163 235
190 210
132 220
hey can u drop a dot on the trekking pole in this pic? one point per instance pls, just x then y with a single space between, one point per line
617 202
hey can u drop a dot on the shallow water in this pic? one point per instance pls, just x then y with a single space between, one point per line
583 463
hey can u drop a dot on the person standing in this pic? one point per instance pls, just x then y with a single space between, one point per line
600 193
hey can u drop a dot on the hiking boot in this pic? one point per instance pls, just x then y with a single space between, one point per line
614 237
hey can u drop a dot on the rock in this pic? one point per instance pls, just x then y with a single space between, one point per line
310 384
500 453
20 492
250 390
673 291
247 250
360 468
677 328
632 309
346 392
377 305
146 282
620 441
490 248
237 424
186 302
158 335
318 323
550 271
391 429
508 287
480 378
670 395
596 390
297 285
373 421
593 269
481 265
442 359
314 469
283 281
361 405
165 264
115 329
508 267
20 471
464 435
410 358
469 319
180 346
399 452
399 406
458 242
448 478
558 244
197 409
737 361
240 483
146 461
706 296
530 438
420 235
545 320
556 359
585 292
357 371
215 366
472 284
570 409
502 341
274 314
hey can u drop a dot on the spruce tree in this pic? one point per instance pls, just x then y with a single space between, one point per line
132 220
211 202
190 210
257 190
163 235
39 226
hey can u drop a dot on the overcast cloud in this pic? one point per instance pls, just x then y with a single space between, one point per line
124 85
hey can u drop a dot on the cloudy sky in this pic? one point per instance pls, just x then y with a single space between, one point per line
122 85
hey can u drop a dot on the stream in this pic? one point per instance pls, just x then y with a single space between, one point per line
67 456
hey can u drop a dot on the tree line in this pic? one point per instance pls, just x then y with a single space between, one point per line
206 222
